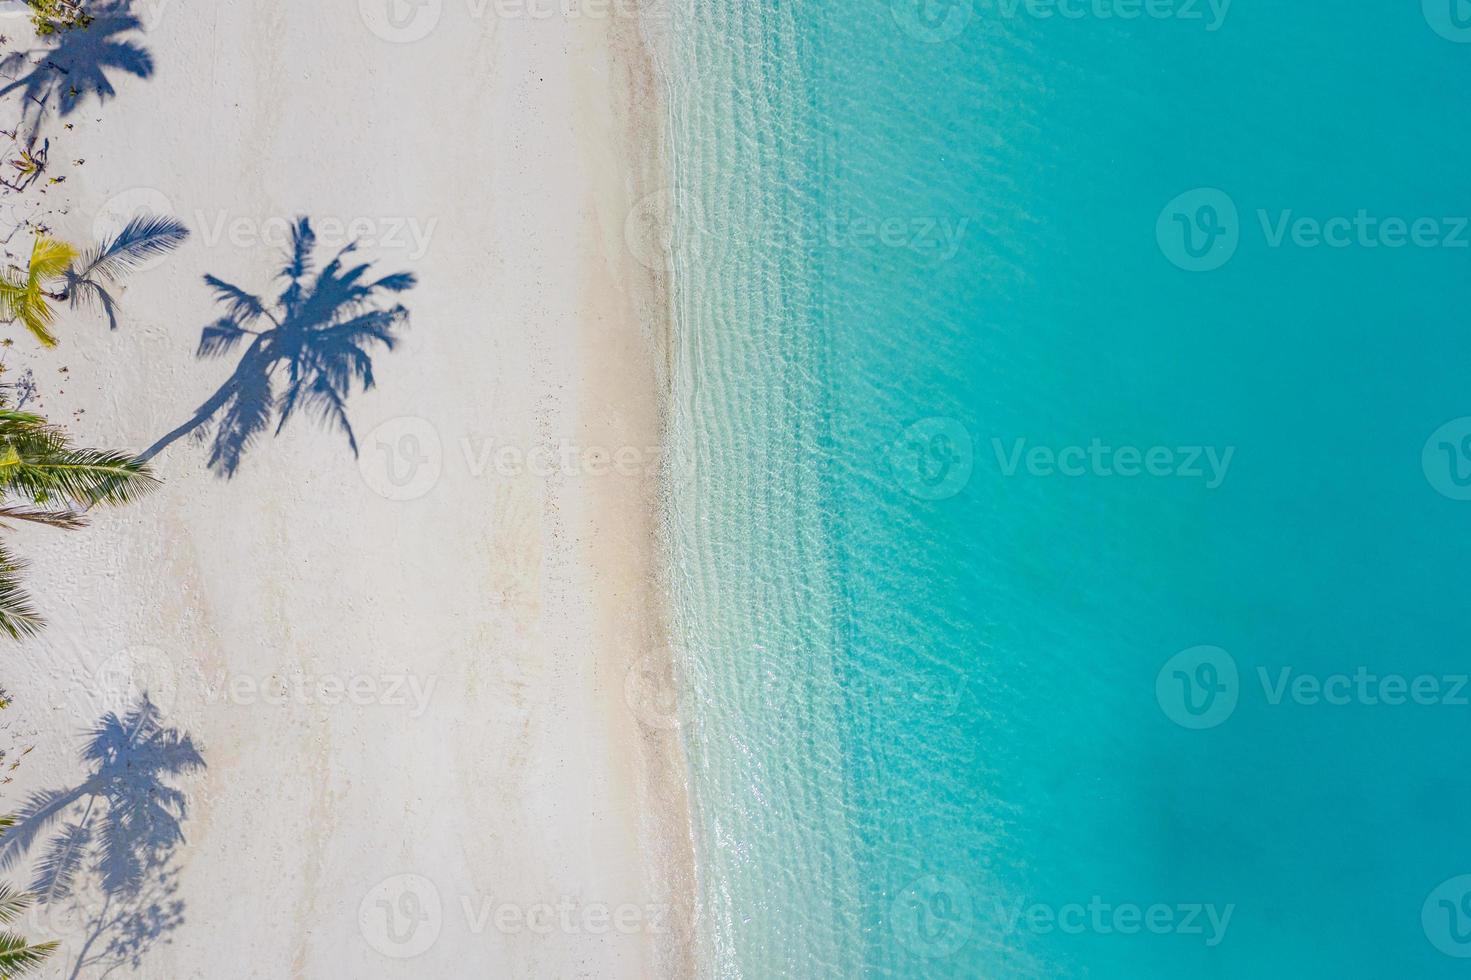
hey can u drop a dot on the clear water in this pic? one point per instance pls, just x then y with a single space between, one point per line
929 721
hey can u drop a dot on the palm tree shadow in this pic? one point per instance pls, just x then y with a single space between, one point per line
76 64
109 841
306 351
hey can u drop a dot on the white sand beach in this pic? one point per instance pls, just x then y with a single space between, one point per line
424 682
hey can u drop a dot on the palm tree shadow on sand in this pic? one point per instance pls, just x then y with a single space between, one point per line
106 845
61 73
306 352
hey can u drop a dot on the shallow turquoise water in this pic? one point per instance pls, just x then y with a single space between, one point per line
939 728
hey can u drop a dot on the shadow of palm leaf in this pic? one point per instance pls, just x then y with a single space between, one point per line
60 75
114 834
306 352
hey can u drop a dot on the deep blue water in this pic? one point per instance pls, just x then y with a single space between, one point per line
915 250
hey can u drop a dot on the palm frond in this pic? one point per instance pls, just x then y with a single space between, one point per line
68 520
14 902
145 237
19 956
50 258
85 475
97 476
18 617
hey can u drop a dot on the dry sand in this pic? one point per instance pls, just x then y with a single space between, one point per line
424 682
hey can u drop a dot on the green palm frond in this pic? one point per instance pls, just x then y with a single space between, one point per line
23 292
19 956
39 465
13 903
85 475
18 618
44 479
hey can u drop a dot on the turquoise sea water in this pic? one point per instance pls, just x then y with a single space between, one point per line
941 727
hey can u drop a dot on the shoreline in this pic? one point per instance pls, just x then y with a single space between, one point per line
530 614
648 648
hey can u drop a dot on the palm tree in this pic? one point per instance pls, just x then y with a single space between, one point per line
24 293
58 273
46 480
18 955
305 351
